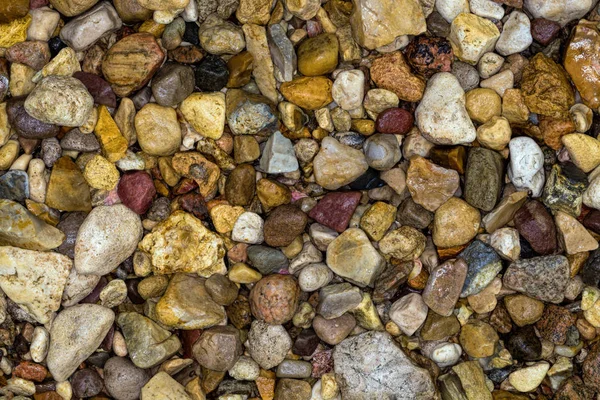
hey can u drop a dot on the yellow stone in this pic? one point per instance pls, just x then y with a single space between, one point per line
4 125
67 188
153 286
318 55
90 124
329 386
482 104
113 144
21 79
168 173
8 153
101 173
584 150
363 126
206 113
124 118
195 166
153 28
366 314
377 219
455 223
65 64
472 36
224 216
15 31
523 309
271 193
495 133
254 11
308 92
514 108
294 248
170 247
241 273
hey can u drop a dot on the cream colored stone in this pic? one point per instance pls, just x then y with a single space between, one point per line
65 64
495 134
573 235
158 131
472 36
206 113
21 80
337 165
263 72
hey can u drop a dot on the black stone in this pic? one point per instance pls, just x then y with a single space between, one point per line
526 249
413 214
24 124
368 180
480 259
191 33
56 45
592 221
564 188
523 344
212 74
590 273
14 185
86 383
499 375
352 139
306 343
132 291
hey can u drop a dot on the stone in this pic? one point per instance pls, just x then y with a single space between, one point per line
318 55
395 121
87 28
500 82
583 150
15 31
444 286
101 173
171 237
221 37
579 55
294 369
34 280
67 188
348 89
274 299
516 34
240 69
14 185
130 63
544 31
455 223
337 165
424 178
467 75
409 313
86 383
34 54
428 55
378 23
471 36
253 12
572 235
335 209
483 104
555 324
248 228
382 151
157 129
113 143
249 114
506 243
12 11
391 72
483 266
333 331
449 9
25 125
441 115
195 166
559 11
70 108
278 155
535 225
96 251
123 380
293 389
21 228
523 310
376 220
489 65
405 243
473 380
211 74
162 386
528 378
381 367
206 113
495 134
545 87
543 278
245 369
77 141
309 92
172 84
283 225
268 344
136 190
483 178
478 339
218 348
352 257
76 333
335 300
525 169
523 344
257 45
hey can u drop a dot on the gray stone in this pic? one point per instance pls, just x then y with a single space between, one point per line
483 266
14 185
543 278
294 369
282 53
266 259
278 155
268 344
335 300
373 366
77 141
76 333
86 29
413 214
382 151
123 380
172 84
51 151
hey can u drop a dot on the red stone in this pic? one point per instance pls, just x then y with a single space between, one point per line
591 368
322 363
554 323
544 31
592 221
136 191
194 203
429 55
394 120
188 338
238 253
335 209
186 54
536 225
185 185
274 298
98 88
30 371
34 54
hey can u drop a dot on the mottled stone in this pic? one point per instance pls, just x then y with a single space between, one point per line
335 209
536 226
483 178
445 285
392 72
544 278
429 184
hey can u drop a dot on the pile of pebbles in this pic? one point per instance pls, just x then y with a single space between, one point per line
299 200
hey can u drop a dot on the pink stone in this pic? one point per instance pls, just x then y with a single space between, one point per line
335 209
136 191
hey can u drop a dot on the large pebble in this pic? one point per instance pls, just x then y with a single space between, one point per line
83 31
471 36
158 131
525 169
123 380
337 165
268 344
173 83
544 278
516 34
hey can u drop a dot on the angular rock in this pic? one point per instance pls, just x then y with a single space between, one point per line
67 188
471 36
282 52
268 344
525 169
430 185
579 58
543 278
335 209
20 228
337 165
444 286
278 155
536 226
83 31
218 348
483 263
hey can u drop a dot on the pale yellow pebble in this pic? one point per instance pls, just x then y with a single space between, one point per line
294 248
22 162
243 274
90 124
8 153
21 82
15 31
142 265
101 173
206 113
65 63
329 386
4 125
495 133
224 217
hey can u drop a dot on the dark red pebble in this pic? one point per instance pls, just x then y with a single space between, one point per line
335 209
136 190
544 31
394 120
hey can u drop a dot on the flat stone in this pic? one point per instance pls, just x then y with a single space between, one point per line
67 188
573 235
309 92
257 45
543 278
528 378
23 229
409 313
87 28
473 380
429 184
282 52
113 143
504 212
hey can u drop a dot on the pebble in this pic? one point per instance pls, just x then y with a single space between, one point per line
67 189
572 235
409 313
294 369
308 92
274 299
535 225
455 223
382 152
441 115
157 129
348 89
22 229
483 178
318 55
544 278
218 348
424 178
337 164
516 34
506 243
471 377
278 155
268 344
101 173
84 30
525 169
172 84
39 344
483 104
444 286
136 191
528 378
123 380
558 11
266 259
471 36
162 386
523 310
391 72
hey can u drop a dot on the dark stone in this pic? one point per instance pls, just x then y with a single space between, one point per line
450 157
218 348
56 45
94 296
212 74
239 312
572 336
413 214
77 141
172 84
574 389
429 55
34 54
14 185
194 203
544 31
335 209
499 374
98 88
592 221
555 323
483 263
221 289
186 54
591 368
388 282
191 33
292 389
241 185
70 226
160 209
230 386
86 383
306 343
136 190
394 120
132 291
142 97
24 124
526 250
536 225
267 259
523 344
368 180
483 178
98 359
564 189
352 139
51 151
283 225
590 272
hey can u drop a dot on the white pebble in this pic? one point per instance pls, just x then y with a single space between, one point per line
248 229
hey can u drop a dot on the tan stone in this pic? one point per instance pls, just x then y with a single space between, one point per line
195 166
504 211
263 69
473 380
478 339
405 243
310 93
455 223
65 63
318 55
581 59
377 219
429 184
101 173
584 150
113 144
392 72
514 108
67 188
472 36
71 8
124 118
169 247
158 131
8 153
21 79
206 113
482 104
271 193
523 309
241 273
224 216
337 165
495 133
485 301
573 235
254 11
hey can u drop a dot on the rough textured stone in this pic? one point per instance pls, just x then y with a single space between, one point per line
544 278
483 178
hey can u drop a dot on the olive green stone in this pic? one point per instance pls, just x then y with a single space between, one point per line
483 178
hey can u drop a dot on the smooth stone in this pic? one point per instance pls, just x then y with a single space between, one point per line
467 75
446 354
441 115
543 278
335 300
162 386
218 348
25 125
544 31
483 178
44 21
376 219
283 225
205 112
437 327
307 341
506 243
333 331
245 369
274 299
444 286
560 11
222 290
495 134
123 380
424 178
158 131
268 344
172 236
172 84
335 209
136 190
267 259
78 287
67 188
583 150
318 55
308 92
248 228
14 185
337 165
409 313
293 389
483 266
523 310
573 236
87 28
60 100
101 173
278 155
528 378
294 369
34 54
482 104
516 34
113 143
535 225
579 56
472 36
348 89
76 333
86 383
455 223
34 280
97 252
525 169
13 10
352 256
382 151
314 276
555 324
405 243
381 366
